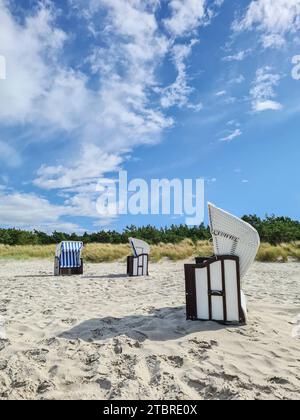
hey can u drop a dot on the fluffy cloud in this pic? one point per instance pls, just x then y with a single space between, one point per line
263 90
186 16
267 105
79 182
25 210
178 93
90 165
274 19
120 114
26 49
121 110
28 210
106 104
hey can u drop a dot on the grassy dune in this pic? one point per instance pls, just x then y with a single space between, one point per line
96 253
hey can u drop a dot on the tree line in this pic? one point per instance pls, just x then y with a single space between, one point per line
274 230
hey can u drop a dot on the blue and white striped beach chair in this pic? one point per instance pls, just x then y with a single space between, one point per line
68 260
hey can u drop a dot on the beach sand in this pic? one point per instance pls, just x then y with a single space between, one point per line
105 336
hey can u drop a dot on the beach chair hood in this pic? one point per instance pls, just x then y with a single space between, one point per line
233 236
139 247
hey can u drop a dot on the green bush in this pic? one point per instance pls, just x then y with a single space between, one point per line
272 230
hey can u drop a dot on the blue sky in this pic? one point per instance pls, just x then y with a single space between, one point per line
160 88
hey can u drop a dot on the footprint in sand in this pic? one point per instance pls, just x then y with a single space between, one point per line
174 361
104 384
3 364
45 387
278 381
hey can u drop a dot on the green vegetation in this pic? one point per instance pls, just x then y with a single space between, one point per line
97 253
280 241
173 234
272 230
275 230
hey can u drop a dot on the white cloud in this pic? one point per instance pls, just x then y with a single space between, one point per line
233 123
237 80
273 19
27 49
90 165
267 106
42 91
239 56
24 210
273 41
225 97
186 16
104 122
221 93
28 210
178 93
211 180
197 107
78 182
101 113
263 93
119 114
233 135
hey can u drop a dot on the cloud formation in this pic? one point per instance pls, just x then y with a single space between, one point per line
263 90
274 20
232 135
103 107
112 76
21 210
186 16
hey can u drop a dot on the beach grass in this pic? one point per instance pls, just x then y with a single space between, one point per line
97 253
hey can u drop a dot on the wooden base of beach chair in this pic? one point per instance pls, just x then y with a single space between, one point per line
74 271
138 266
213 290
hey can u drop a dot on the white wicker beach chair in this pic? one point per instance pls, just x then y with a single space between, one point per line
138 263
68 260
213 284
233 236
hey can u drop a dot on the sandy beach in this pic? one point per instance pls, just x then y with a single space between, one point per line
105 336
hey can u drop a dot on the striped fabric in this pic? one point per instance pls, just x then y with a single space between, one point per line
70 254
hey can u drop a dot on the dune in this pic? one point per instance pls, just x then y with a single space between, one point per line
106 336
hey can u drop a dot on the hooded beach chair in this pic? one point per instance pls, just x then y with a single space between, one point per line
213 284
138 263
68 260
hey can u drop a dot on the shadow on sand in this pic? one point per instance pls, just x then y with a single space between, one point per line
160 325
107 277
35 276
85 277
